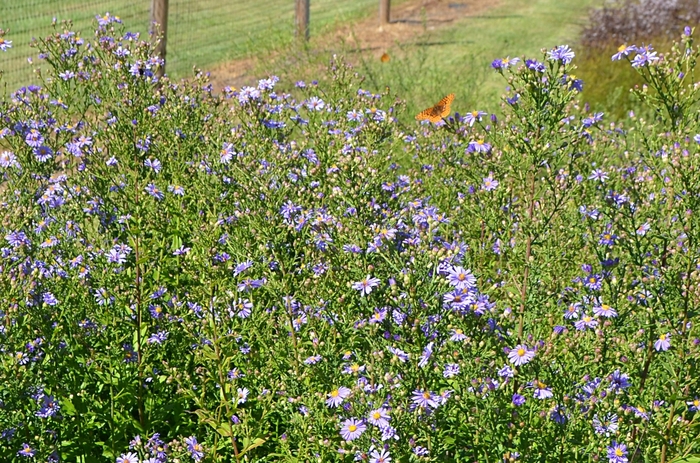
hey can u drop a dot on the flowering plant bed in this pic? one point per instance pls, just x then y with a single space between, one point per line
303 275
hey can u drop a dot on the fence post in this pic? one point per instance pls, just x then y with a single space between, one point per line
384 11
159 25
302 19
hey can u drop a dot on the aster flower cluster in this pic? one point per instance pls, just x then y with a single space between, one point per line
286 270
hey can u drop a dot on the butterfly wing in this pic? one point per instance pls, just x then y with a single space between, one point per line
435 113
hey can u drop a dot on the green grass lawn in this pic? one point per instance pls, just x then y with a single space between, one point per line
458 59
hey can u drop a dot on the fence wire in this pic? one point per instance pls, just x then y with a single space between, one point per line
201 33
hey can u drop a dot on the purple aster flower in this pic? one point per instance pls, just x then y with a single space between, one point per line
336 396
378 316
43 153
130 355
352 429
618 381
489 184
504 63
34 138
604 310
423 399
128 458
5 44
379 418
425 356
49 407
195 448
562 53
242 267
535 65
102 297
242 395
50 299
177 190
586 321
694 405
520 355
181 251
518 400
226 153
571 83
153 190
243 308
366 285
299 321
506 372
607 425
158 338
607 238
314 359
572 311
315 104
354 116
644 57
8 159
663 343
451 370
478 146
617 453
246 94
420 451
268 84
623 51
590 121
401 355
643 229
558 415
153 164
598 175
460 278
542 391
472 117
156 311
377 456
458 335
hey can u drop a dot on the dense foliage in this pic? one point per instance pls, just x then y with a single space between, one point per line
257 276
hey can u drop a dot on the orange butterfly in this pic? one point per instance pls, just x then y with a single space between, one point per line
437 112
385 58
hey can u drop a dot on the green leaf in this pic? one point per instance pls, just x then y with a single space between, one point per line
67 407
688 459
256 443
224 431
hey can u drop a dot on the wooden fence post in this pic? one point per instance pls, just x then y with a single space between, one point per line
302 19
159 26
384 11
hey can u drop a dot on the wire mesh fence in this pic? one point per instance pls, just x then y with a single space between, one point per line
201 33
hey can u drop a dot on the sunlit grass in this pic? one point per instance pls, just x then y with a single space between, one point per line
456 59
